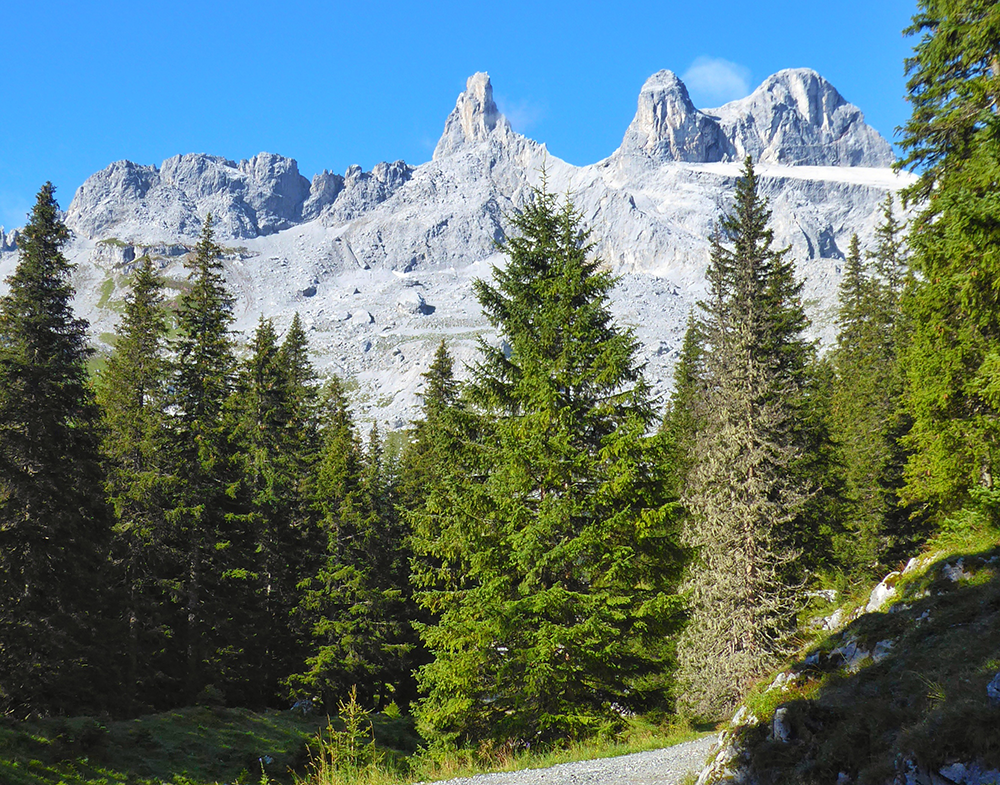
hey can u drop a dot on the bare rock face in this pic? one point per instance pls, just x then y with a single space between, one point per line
361 191
8 240
259 196
667 127
475 118
480 166
323 191
798 118
351 243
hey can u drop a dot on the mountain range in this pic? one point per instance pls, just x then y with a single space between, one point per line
380 264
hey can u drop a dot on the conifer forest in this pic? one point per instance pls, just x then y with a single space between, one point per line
549 548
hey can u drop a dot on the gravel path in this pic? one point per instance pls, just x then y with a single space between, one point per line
658 767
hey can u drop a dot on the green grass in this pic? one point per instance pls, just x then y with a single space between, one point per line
429 766
107 290
925 701
203 746
191 746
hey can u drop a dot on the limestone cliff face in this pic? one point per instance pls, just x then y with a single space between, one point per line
794 118
342 249
475 118
798 118
667 127
259 196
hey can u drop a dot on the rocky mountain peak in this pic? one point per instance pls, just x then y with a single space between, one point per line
797 117
8 240
475 117
258 196
668 127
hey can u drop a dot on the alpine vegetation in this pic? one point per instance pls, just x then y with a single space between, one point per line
549 553
747 488
552 567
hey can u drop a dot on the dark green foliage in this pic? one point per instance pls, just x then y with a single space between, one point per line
953 360
54 525
273 437
680 423
753 477
132 393
952 86
551 571
866 415
354 610
431 445
214 579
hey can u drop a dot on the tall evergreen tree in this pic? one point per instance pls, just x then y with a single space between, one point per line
299 379
54 525
132 393
353 609
858 430
680 423
302 397
951 86
866 413
751 482
263 542
953 306
432 443
555 586
200 385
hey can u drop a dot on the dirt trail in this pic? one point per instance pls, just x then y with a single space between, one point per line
669 766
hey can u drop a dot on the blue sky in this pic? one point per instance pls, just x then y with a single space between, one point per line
336 83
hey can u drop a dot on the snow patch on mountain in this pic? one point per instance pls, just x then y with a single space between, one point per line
380 264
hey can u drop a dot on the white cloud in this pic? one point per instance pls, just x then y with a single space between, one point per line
712 81
521 115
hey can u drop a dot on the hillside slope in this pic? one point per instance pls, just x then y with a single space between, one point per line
901 687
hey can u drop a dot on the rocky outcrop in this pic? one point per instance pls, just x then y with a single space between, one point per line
798 118
323 190
474 119
937 639
8 240
651 208
667 127
361 191
795 118
255 197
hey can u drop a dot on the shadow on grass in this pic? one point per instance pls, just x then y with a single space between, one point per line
920 697
190 746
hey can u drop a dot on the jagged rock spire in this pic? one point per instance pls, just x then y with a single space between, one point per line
668 127
475 117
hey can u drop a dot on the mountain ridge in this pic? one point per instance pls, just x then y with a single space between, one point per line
795 117
350 251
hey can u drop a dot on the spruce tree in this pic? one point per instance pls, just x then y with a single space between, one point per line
200 385
952 361
265 543
352 610
431 444
750 484
680 422
554 584
132 393
301 393
54 524
865 412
